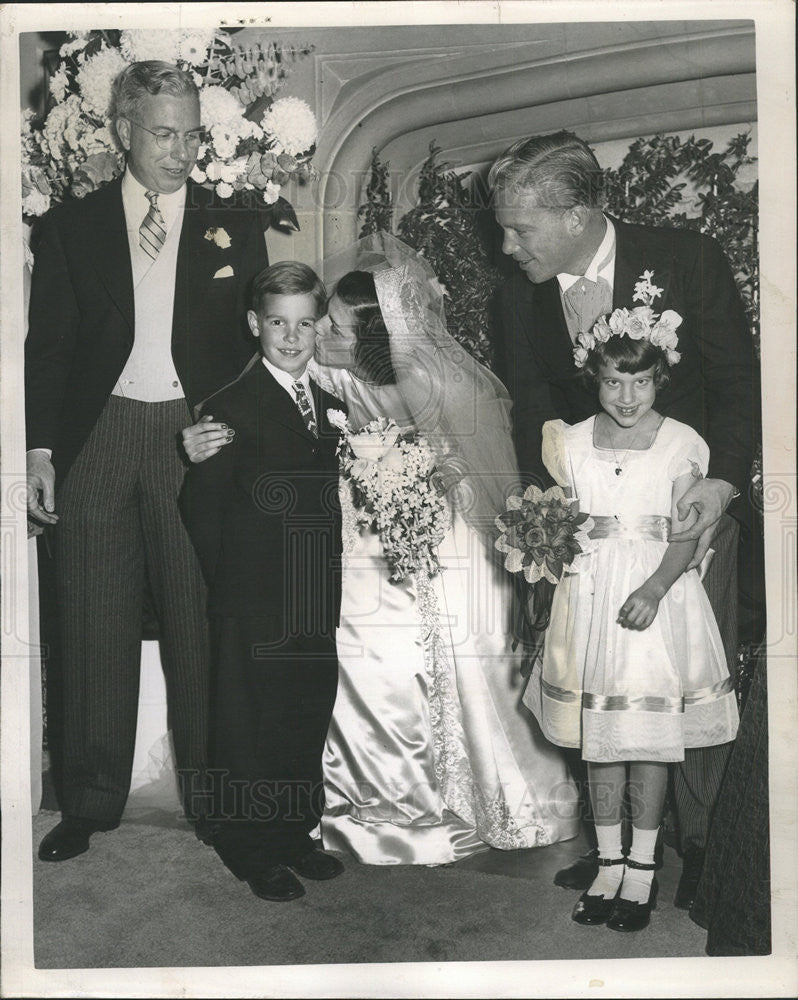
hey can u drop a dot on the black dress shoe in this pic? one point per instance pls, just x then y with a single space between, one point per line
629 916
692 866
592 909
318 866
276 883
581 874
596 909
70 838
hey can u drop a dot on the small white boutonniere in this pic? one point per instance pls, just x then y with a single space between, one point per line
218 236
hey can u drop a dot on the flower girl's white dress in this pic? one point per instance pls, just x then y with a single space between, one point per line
430 755
619 693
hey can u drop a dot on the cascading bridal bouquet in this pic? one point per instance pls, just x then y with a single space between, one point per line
397 490
541 535
253 141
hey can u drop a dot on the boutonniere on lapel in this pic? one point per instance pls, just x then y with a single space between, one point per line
639 323
218 236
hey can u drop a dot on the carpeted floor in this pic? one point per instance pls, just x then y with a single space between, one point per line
149 894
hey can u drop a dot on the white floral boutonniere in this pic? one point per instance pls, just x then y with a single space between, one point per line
218 236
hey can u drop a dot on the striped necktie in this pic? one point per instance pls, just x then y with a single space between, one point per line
303 404
152 231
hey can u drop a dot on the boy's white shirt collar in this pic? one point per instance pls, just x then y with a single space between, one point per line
137 204
287 381
605 255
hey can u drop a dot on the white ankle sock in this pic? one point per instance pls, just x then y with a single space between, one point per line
609 847
636 883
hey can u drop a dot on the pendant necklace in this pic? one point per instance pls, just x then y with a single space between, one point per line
619 462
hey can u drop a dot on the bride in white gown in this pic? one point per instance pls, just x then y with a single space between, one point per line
430 755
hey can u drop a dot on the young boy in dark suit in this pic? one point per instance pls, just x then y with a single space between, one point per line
264 518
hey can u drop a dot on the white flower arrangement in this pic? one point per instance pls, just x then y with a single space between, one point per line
639 323
256 142
397 491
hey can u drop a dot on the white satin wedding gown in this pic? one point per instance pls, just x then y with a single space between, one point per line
430 755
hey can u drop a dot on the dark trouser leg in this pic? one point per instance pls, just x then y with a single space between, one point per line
100 572
578 769
697 779
179 596
270 712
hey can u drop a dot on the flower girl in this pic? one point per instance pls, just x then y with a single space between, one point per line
633 669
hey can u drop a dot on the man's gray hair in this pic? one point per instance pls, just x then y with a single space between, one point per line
151 77
559 170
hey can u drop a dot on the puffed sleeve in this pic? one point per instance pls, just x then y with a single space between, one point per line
554 451
689 454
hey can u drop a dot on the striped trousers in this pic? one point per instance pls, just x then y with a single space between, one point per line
697 779
119 519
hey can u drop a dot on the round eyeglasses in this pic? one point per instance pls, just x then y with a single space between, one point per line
165 138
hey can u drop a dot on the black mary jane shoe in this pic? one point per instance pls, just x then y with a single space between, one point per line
596 909
629 916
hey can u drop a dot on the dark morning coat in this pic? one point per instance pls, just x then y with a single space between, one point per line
81 321
715 388
263 513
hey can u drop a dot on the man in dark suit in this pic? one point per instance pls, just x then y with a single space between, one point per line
574 265
136 315
264 517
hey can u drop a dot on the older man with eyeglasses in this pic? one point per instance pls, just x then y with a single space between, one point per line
137 313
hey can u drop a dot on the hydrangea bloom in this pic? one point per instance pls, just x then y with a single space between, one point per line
293 125
95 79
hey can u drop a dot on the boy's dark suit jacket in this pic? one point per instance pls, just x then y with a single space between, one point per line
263 513
81 313
715 387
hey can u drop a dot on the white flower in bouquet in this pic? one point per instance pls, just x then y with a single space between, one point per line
193 46
223 116
95 79
100 140
337 419
79 39
35 191
59 82
225 190
292 124
271 192
146 44
62 129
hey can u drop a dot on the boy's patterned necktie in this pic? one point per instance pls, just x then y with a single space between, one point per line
303 404
152 231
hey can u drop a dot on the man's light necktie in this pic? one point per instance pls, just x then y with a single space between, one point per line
584 302
152 231
303 404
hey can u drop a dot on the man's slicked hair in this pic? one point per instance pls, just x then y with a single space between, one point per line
558 170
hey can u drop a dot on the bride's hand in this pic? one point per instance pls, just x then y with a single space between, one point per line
205 438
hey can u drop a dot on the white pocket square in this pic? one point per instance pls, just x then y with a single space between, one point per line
224 272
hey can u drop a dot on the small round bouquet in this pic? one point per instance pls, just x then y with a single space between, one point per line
541 535
397 491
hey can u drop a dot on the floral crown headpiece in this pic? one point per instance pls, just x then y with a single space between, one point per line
639 323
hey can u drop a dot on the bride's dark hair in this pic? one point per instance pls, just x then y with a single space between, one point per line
373 351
